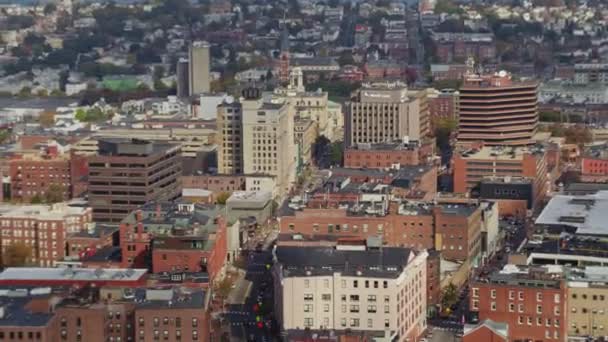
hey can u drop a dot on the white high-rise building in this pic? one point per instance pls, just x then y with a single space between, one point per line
362 288
268 146
199 80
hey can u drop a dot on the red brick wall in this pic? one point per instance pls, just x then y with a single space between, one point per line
594 167
380 159
528 305
186 324
135 245
170 260
34 177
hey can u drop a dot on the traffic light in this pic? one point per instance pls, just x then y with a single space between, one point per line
256 307
260 325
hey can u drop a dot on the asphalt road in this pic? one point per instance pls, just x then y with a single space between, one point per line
242 319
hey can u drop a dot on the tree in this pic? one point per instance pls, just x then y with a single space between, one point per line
25 92
336 153
224 287
346 58
222 198
449 296
37 199
54 194
16 255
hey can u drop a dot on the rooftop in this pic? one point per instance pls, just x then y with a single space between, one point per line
56 211
547 276
385 262
240 198
502 153
133 147
175 298
398 146
73 273
587 213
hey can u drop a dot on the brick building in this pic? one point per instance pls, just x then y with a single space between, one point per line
125 174
530 300
33 173
87 242
44 229
444 72
104 314
215 183
452 229
175 237
457 47
443 105
386 156
470 167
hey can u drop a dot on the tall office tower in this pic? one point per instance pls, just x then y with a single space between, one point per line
496 110
183 78
199 60
127 173
386 112
268 139
230 134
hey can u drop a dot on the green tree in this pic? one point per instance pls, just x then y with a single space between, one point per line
37 199
336 152
16 255
222 198
346 58
224 287
4 135
25 92
54 194
449 296
81 114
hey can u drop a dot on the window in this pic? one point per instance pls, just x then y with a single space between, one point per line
475 304
539 321
493 306
367 284
370 323
520 308
178 322
511 307
307 307
354 308
308 322
548 322
371 309
326 283
475 292
520 295
385 284
520 320
539 309
165 320
308 296
371 298
354 298
343 282
325 307
539 296
387 323
156 321
195 335
492 294
306 283
556 298
354 322
529 320
511 295
141 322
326 296
556 310
195 322
355 284
343 322
386 309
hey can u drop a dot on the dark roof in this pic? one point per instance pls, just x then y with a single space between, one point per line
179 299
99 231
385 262
584 188
108 253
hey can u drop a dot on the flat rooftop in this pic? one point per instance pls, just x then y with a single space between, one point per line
513 153
56 211
587 213
76 274
548 276
385 262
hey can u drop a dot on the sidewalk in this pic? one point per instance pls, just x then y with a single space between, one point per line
241 290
